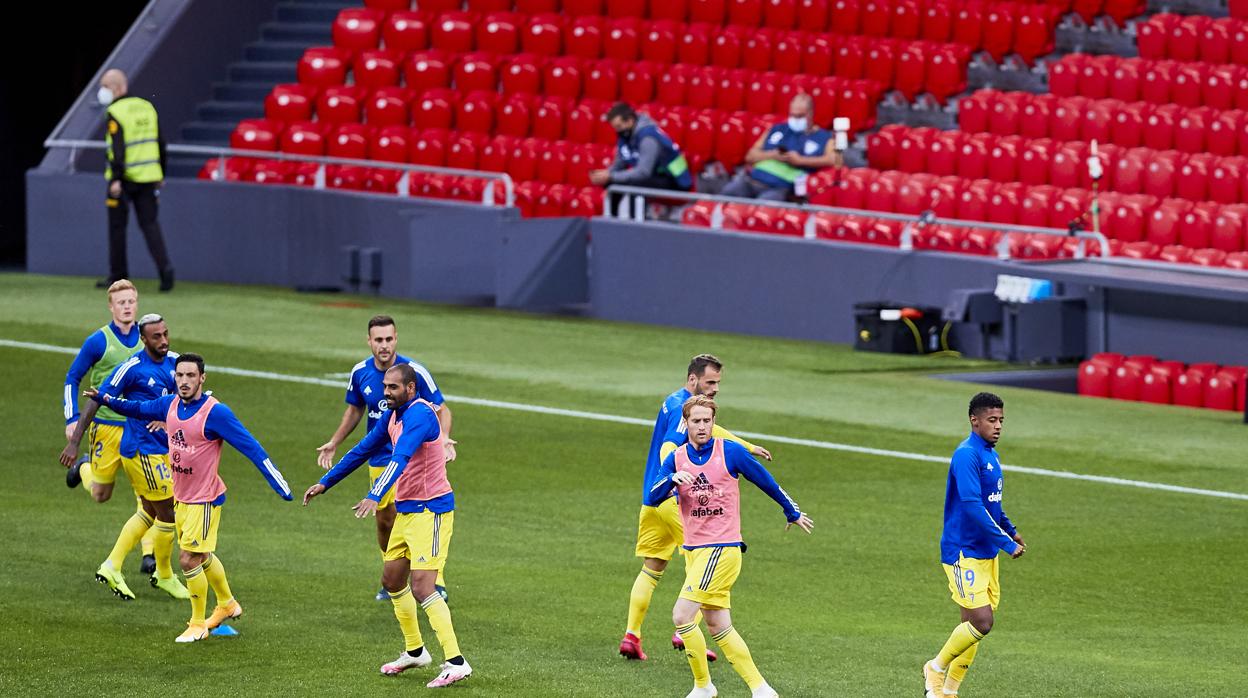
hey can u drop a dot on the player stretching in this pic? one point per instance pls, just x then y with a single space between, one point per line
704 472
659 527
421 539
104 350
145 376
366 394
197 424
976 527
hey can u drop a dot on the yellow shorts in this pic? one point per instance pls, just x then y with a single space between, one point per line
424 539
659 530
149 476
374 473
710 574
196 525
974 582
105 452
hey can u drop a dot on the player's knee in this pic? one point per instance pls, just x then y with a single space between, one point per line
656 564
683 616
982 624
187 560
100 496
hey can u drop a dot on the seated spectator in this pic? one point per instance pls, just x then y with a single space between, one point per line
645 156
785 155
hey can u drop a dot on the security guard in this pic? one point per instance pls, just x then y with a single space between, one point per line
785 155
136 170
645 156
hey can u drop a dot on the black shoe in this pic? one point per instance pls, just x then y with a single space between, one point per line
73 477
166 280
148 566
105 283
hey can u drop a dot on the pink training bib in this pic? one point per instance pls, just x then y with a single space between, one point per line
193 457
424 478
711 507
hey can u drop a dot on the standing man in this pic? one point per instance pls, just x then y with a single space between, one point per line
135 173
705 473
366 393
102 352
783 157
976 529
197 424
145 376
421 539
659 529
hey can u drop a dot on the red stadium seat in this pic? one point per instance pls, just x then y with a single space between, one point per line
875 18
745 13
974 110
1129 220
1159 175
1175 254
943 152
911 64
998 36
973 205
1156 78
535 7
1035 114
1155 387
1094 379
1034 207
349 141
975 154
1153 35
622 39
626 8
435 109
709 11
1189 130
376 68
290 102
912 149
1219 392
1070 204
1004 203
1191 182
1124 81
1196 228
405 31
425 70
499 33
1184 41
845 17
387 106
552 163
756 50
390 144
428 147
1227 233
475 113
695 44
1098 122
762 95
1037 159
562 78
543 35
1163 226
584 37
780 14
476 71
1064 75
882 192
850 56
698 141
515 115
522 75
1128 125
675 10
323 66
1140 250
1067 118
340 104
1209 258
453 32
726 47
548 119
638 83
658 41
495 154
730 94
1004 109
1034 32
1189 388
1003 159
881 63
357 28
700 92
303 138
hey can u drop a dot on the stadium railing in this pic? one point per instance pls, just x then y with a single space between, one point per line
487 197
632 207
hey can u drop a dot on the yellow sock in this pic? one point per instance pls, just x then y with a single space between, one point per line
148 541
197 584
738 655
695 652
440 620
957 669
639 599
960 640
130 534
84 472
215 572
405 612
162 547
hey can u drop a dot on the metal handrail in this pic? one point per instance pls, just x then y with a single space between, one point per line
632 206
487 197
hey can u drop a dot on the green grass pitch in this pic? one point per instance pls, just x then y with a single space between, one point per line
1124 591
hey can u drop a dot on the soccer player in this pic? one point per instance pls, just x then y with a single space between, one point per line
365 393
705 473
659 527
421 539
975 529
197 424
103 351
145 376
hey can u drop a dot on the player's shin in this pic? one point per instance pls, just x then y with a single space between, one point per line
130 534
960 640
639 599
162 547
405 613
958 669
695 652
214 571
197 584
738 654
440 620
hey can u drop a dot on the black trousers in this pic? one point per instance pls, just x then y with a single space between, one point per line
143 197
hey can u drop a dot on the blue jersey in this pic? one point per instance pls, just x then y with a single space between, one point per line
975 524
142 378
667 427
739 462
91 352
366 389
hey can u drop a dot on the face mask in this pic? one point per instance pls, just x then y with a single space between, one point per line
105 96
625 133
796 124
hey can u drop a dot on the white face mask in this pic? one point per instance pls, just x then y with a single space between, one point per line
797 124
105 96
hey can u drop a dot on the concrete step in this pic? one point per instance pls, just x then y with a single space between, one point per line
207 132
1209 8
315 33
262 71
309 12
241 91
275 51
232 112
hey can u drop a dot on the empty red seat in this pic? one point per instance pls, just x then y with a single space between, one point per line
390 144
1094 379
1067 118
405 31
1037 159
1219 392
1003 159
475 112
637 84
303 138
943 152
710 11
1191 181
1175 254
453 32
1140 250
424 70
1227 232
584 37
562 78
476 71
323 66
975 152
1034 206
1155 387
1034 31
1124 81
340 104
499 33
357 28
911 67
1189 130
1064 75
522 75
1159 175
1189 388
514 115
622 39
290 102
1128 221
428 147
387 106
543 35
548 119
349 141
658 41
435 109
376 68
1163 226
881 63
1156 78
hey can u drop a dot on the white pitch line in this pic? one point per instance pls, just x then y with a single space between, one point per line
634 421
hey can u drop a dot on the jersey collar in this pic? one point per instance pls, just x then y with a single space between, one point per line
980 441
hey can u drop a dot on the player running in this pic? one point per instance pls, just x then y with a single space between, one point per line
975 529
104 350
658 527
421 539
365 393
705 473
197 424
145 376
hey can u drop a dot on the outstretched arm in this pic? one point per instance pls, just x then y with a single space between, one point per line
222 424
151 410
356 457
350 419
741 462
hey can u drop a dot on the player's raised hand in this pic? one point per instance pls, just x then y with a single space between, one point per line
761 452
450 449
325 454
365 508
69 454
313 491
803 522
